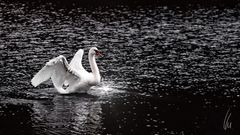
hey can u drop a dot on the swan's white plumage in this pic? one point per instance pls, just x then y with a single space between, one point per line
43 75
54 68
76 62
73 74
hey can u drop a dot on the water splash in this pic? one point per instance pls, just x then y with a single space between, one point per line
107 88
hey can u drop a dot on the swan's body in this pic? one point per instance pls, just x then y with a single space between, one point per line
72 75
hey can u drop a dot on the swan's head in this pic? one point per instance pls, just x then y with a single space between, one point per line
95 51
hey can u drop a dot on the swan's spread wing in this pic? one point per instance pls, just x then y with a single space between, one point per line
76 62
43 75
58 69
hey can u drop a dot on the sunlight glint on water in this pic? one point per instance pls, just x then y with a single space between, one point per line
166 71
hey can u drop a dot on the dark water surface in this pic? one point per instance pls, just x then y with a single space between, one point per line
165 70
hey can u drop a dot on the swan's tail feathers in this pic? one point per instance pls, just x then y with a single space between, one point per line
43 75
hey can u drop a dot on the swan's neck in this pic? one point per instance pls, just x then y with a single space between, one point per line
94 67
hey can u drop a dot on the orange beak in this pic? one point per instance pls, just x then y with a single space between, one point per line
98 53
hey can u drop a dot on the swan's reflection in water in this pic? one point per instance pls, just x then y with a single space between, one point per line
75 114
69 114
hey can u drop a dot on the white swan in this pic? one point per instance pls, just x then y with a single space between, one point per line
72 75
